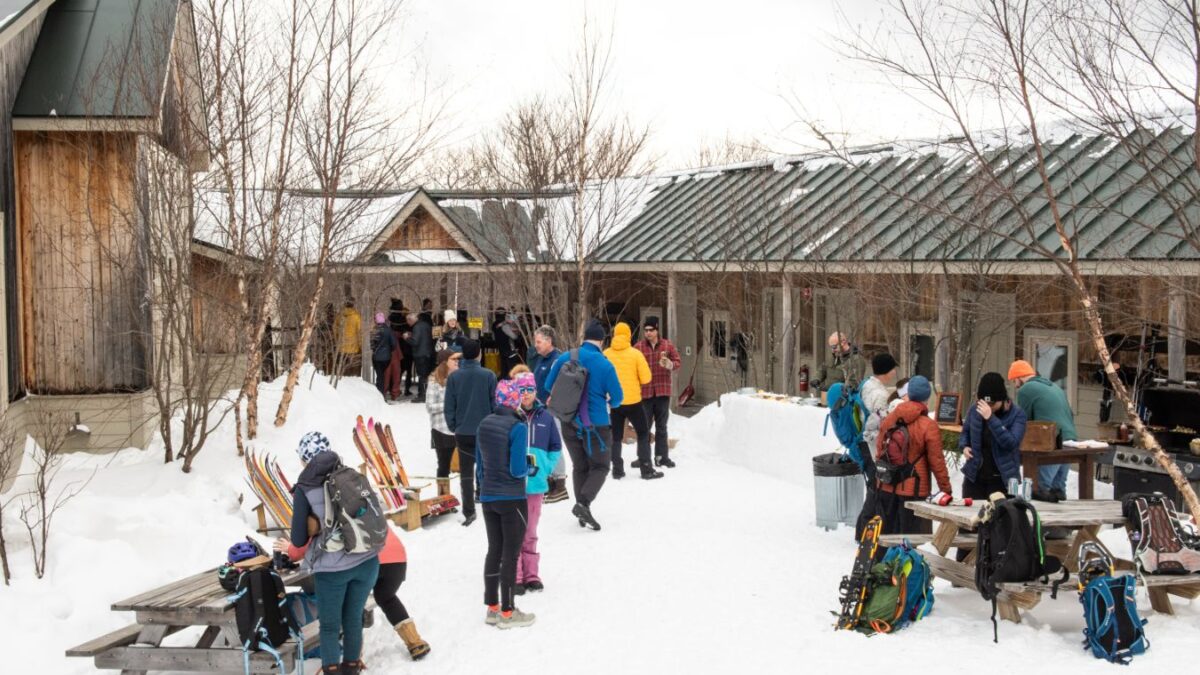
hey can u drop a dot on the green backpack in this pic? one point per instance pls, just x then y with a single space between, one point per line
900 591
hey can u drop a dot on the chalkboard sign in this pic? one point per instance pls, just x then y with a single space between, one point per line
948 407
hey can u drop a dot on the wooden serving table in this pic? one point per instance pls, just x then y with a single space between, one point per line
1083 518
1085 458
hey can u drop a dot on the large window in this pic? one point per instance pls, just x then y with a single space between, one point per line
1054 356
718 334
920 350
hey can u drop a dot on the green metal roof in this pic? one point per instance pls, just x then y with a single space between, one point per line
99 58
1119 198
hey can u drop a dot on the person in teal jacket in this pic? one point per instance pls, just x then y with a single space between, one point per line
545 445
1044 401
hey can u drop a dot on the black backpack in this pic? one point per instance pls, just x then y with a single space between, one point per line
354 520
1011 548
264 618
570 389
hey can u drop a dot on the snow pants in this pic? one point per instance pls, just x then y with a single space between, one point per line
590 459
505 521
527 564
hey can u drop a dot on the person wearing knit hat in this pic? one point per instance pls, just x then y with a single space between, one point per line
310 444
917 443
452 335
1045 401
874 394
383 347
545 445
990 442
502 465
588 436
468 399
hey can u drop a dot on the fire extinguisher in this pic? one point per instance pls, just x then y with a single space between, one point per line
804 379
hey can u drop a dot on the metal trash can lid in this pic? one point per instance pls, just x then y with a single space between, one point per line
834 465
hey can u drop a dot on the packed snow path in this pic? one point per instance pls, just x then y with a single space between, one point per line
716 568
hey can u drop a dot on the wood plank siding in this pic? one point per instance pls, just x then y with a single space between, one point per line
420 231
82 289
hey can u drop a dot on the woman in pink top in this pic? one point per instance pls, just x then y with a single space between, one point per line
393 566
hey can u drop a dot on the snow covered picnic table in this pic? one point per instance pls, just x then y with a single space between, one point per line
195 601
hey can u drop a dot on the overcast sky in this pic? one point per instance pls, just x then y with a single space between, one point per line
693 71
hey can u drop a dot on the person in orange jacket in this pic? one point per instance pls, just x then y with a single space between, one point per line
924 440
632 373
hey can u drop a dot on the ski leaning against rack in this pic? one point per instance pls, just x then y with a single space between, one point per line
853 589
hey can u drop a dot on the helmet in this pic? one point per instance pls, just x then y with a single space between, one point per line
243 550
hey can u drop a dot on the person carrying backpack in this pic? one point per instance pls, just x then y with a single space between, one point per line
502 464
467 400
909 450
383 347
343 579
588 435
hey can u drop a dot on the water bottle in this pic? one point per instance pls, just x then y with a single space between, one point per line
1014 487
1027 489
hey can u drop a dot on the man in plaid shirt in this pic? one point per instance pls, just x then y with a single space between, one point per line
656 396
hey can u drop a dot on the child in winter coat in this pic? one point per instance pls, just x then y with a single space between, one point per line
501 467
546 447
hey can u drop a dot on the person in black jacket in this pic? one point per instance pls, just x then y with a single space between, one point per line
420 337
469 392
383 345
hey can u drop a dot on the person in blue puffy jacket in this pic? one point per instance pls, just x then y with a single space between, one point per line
991 440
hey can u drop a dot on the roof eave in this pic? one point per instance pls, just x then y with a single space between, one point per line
137 125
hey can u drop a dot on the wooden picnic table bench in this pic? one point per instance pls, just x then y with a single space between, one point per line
197 600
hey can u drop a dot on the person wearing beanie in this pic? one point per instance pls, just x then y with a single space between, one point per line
588 436
875 398
502 466
452 335
545 444
420 337
664 360
468 399
924 440
383 350
1044 401
343 580
633 373
441 438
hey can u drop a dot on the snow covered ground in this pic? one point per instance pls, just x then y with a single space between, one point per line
717 568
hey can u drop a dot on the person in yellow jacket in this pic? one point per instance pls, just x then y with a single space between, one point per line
632 373
348 329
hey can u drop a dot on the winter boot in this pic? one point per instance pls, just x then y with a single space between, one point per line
534 586
470 518
584 514
635 464
650 474
352 667
663 460
618 470
1060 495
519 589
417 648
443 487
515 619
558 490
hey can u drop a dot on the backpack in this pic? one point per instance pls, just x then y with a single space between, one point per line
1160 543
893 465
848 414
569 393
381 346
900 591
264 618
354 521
1113 630
1010 548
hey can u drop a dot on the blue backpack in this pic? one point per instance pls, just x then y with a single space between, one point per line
1113 630
919 589
900 591
848 414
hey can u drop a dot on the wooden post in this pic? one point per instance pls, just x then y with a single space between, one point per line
1176 336
788 344
944 330
673 323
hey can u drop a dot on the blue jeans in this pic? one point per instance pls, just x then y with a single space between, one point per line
1053 476
341 597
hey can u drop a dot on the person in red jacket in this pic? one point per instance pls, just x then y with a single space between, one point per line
924 453
663 359
393 567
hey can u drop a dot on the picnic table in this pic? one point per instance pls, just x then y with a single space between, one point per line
1085 458
197 600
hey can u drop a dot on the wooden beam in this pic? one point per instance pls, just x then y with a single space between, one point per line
944 331
1176 340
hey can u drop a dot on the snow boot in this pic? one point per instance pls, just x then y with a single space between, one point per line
519 589
515 619
618 471
534 586
650 474
558 490
352 667
470 518
417 648
663 460
635 464
584 514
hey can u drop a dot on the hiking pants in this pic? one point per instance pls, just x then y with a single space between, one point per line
381 376
466 471
341 597
391 576
505 521
444 445
589 466
636 415
658 411
527 564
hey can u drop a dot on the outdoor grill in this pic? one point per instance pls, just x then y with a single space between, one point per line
1172 415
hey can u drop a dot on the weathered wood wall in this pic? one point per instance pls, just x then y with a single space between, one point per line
214 305
420 231
82 289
